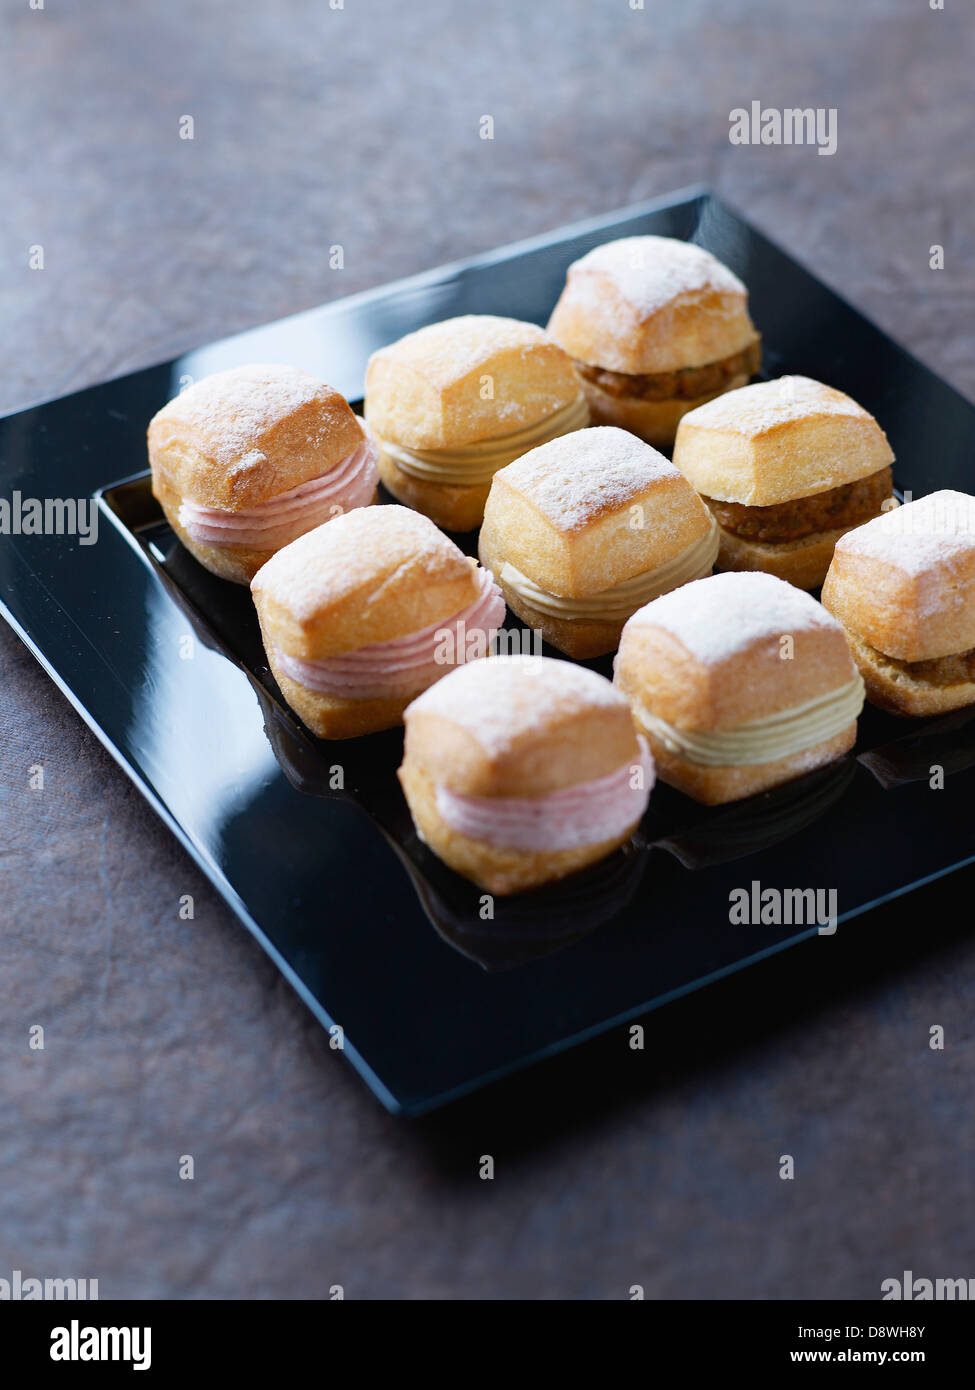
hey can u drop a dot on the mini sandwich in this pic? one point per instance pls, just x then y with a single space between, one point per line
362 614
739 682
903 586
787 467
247 460
583 531
519 770
656 327
456 401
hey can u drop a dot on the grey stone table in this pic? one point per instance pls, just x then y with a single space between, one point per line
360 126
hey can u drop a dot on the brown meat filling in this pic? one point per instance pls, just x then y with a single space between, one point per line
848 505
941 670
688 384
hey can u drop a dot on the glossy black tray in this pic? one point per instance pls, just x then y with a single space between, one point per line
311 844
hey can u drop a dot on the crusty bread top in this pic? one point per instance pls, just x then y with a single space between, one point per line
243 436
649 304
731 649
905 581
574 480
519 726
590 510
775 441
466 379
367 576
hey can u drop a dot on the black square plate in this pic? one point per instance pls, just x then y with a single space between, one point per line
311 844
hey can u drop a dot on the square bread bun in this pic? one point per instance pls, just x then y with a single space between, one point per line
512 726
580 515
903 586
732 650
367 577
466 379
776 441
239 438
648 304
458 384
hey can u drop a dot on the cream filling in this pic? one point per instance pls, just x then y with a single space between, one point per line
763 740
616 604
478 462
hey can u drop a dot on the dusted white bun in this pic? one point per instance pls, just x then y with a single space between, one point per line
643 305
775 441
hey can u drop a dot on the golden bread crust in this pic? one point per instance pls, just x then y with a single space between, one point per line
902 692
240 437
519 726
575 745
903 587
428 390
655 669
643 305
588 511
775 441
368 576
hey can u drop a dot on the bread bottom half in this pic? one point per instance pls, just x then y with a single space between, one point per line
802 562
237 563
452 508
330 717
654 421
578 639
499 871
715 785
892 688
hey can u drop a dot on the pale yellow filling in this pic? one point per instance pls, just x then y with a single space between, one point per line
763 740
477 463
620 602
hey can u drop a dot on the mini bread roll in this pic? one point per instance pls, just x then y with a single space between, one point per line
787 466
656 326
519 770
739 682
361 614
582 531
775 441
457 400
903 586
248 459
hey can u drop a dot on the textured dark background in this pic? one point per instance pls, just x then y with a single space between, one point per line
360 126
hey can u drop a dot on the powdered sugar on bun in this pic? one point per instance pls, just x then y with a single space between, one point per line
934 530
718 617
501 699
235 409
454 348
765 405
466 379
575 478
653 271
370 548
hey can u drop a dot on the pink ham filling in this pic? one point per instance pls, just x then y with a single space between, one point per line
406 665
273 524
566 819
